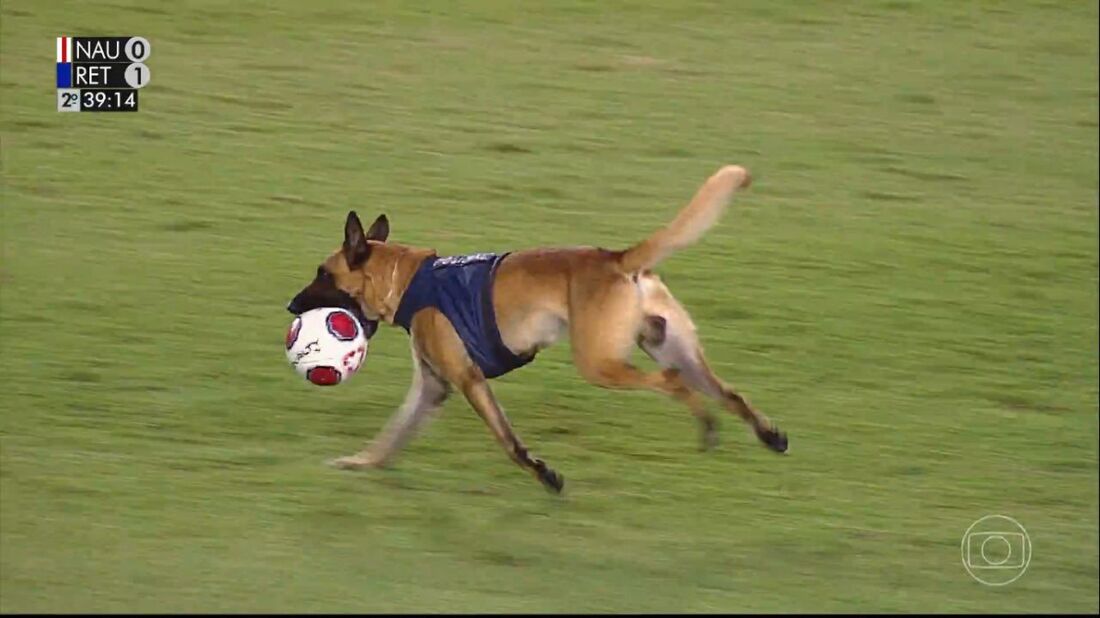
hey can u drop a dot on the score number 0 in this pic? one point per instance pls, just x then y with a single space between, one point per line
137 50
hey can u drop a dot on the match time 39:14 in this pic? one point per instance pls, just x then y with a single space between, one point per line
98 100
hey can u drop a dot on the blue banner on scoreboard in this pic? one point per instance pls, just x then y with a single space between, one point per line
64 75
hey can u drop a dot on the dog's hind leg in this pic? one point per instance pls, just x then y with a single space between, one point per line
670 339
605 324
619 374
699 374
651 338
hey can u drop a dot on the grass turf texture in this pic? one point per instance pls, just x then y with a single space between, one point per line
909 289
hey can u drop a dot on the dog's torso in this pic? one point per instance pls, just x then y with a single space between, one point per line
461 288
507 307
537 292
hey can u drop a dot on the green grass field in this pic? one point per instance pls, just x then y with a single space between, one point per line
909 289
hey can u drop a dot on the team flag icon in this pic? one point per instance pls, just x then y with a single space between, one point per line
64 49
64 61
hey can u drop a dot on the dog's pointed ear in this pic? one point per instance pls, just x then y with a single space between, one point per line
356 249
380 229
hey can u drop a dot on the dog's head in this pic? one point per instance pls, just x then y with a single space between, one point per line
344 279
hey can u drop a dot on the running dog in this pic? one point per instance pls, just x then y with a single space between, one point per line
475 317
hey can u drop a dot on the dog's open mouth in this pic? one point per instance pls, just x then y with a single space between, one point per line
305 301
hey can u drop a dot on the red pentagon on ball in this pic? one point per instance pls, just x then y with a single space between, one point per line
292 334
323 376
342 325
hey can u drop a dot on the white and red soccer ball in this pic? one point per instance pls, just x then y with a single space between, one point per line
326 346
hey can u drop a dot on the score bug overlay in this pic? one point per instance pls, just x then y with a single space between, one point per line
101 74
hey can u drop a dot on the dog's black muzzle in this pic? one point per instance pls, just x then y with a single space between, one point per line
310 299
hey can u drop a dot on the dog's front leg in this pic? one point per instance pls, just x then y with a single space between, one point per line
479 395
425 395
442 348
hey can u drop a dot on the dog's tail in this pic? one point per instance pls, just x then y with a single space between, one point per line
691 223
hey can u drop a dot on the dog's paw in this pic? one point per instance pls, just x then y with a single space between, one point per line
709 442
708 436
550 479
353 462
774 439
738 176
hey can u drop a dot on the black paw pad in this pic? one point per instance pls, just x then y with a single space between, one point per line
551 480
774 439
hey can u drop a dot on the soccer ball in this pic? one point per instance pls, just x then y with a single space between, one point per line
326 346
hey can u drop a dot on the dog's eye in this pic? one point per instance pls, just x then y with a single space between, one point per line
322 273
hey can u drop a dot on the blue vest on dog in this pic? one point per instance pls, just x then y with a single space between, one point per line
461 288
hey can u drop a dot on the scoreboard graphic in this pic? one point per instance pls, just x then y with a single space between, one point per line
101 74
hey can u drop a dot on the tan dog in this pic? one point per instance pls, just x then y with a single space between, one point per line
607 301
